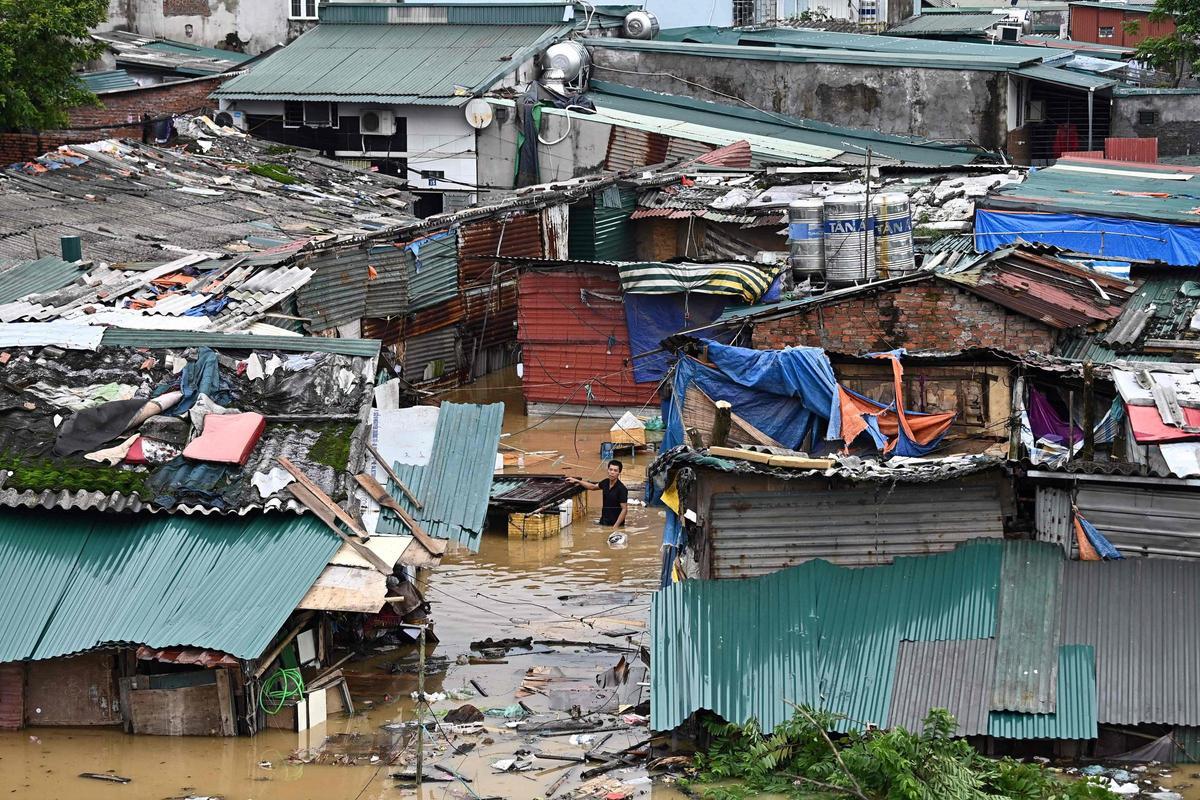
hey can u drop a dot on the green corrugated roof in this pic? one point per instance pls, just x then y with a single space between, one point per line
600 232
168 46
456 484
996 60
816 633
871 43
1091 48
1082 81
1028 633
72 581
946 24
417 64
132 337
823 137
1088 187
113 80
700 34
1075 716
451 13
34 277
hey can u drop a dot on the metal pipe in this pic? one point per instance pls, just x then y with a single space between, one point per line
1091 101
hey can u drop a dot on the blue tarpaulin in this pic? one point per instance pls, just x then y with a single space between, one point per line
1103 236
651 318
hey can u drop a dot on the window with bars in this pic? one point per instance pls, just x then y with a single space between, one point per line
1107 32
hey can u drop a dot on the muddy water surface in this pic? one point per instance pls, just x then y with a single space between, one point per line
573 587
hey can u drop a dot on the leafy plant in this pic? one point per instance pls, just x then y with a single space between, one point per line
799 759
1178 52
41 44
275 172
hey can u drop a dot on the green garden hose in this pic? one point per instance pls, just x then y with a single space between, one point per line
283 685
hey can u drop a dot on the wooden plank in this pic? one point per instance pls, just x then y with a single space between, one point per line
744 455
80 690
800 462
346 589
317 507
190 711
380 495
225 703
300 625
339 512
12 696
391 473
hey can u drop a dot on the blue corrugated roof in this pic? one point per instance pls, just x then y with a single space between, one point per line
71 582
456 484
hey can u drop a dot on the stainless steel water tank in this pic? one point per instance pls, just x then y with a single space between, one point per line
849 240
569 56
640 25
893 235
806 238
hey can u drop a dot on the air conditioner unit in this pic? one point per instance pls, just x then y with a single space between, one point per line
1037 111
1008 33
377 122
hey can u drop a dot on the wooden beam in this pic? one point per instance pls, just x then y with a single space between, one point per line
323 513
225 703
339 512
380 495
391 473
277 649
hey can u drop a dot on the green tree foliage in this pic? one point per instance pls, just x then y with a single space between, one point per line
1179 52
42 42
800 760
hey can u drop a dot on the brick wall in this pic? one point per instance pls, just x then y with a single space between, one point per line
119 112
922 316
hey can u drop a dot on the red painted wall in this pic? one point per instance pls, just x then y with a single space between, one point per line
1086 21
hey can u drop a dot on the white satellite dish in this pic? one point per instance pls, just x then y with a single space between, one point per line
479 113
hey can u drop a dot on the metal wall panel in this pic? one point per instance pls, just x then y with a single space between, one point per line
1076 714
435 354
1028 635
433 270
629 148
1140 614
1144 521
762 532
479 242
387 292
1052 516
337 292
954 675
603 231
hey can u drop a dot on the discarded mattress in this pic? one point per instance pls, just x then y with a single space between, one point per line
227 438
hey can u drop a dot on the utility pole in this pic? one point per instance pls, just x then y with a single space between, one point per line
420 713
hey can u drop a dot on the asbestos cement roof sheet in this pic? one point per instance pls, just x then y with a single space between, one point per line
441 64
1076 714
455 486
817 634
73 582
1139 613
1069 79
771 136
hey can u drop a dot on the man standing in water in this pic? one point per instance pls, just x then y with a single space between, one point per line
615 493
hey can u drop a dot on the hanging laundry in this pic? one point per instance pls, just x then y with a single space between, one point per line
1046 423
1097 545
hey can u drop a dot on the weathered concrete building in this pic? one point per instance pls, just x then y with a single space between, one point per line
250 26
1169 115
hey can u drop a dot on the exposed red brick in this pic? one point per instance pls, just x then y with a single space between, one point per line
928 316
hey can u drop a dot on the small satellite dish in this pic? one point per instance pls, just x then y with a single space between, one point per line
479 113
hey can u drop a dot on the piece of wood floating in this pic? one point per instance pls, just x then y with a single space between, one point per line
376 492
105 776
391 473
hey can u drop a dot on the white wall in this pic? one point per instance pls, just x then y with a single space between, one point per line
261 24
685 13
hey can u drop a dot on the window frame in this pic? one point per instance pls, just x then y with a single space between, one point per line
1112 32
308 9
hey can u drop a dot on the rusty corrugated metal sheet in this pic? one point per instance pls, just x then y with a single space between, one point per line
519 236
573 335
12 696
685 150
431 319
1141 150
629 148
434 354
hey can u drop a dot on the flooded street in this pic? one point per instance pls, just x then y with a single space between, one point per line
574 587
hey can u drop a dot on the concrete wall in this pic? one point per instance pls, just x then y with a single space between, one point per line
258 24
941 104
1178 125
582 152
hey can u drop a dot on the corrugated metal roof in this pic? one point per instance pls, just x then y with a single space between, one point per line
433 270
1028 634
816 634
336 294
1064 77
387 292
452 13
1110 51
445 64
602 231
954 675
72 582
481 242
1076 714
1111 6
771 136
435 353
946 25
36 277
123 337
454 487
756 533
1139 613
800 37
1105 189
112 80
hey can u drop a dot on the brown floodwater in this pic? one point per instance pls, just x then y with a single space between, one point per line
572 587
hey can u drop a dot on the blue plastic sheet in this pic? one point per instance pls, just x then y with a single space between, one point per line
1103 236
650 318
1104 547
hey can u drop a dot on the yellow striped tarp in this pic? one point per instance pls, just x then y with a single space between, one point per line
746 281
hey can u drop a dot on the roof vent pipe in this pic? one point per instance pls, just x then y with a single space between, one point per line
72 248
